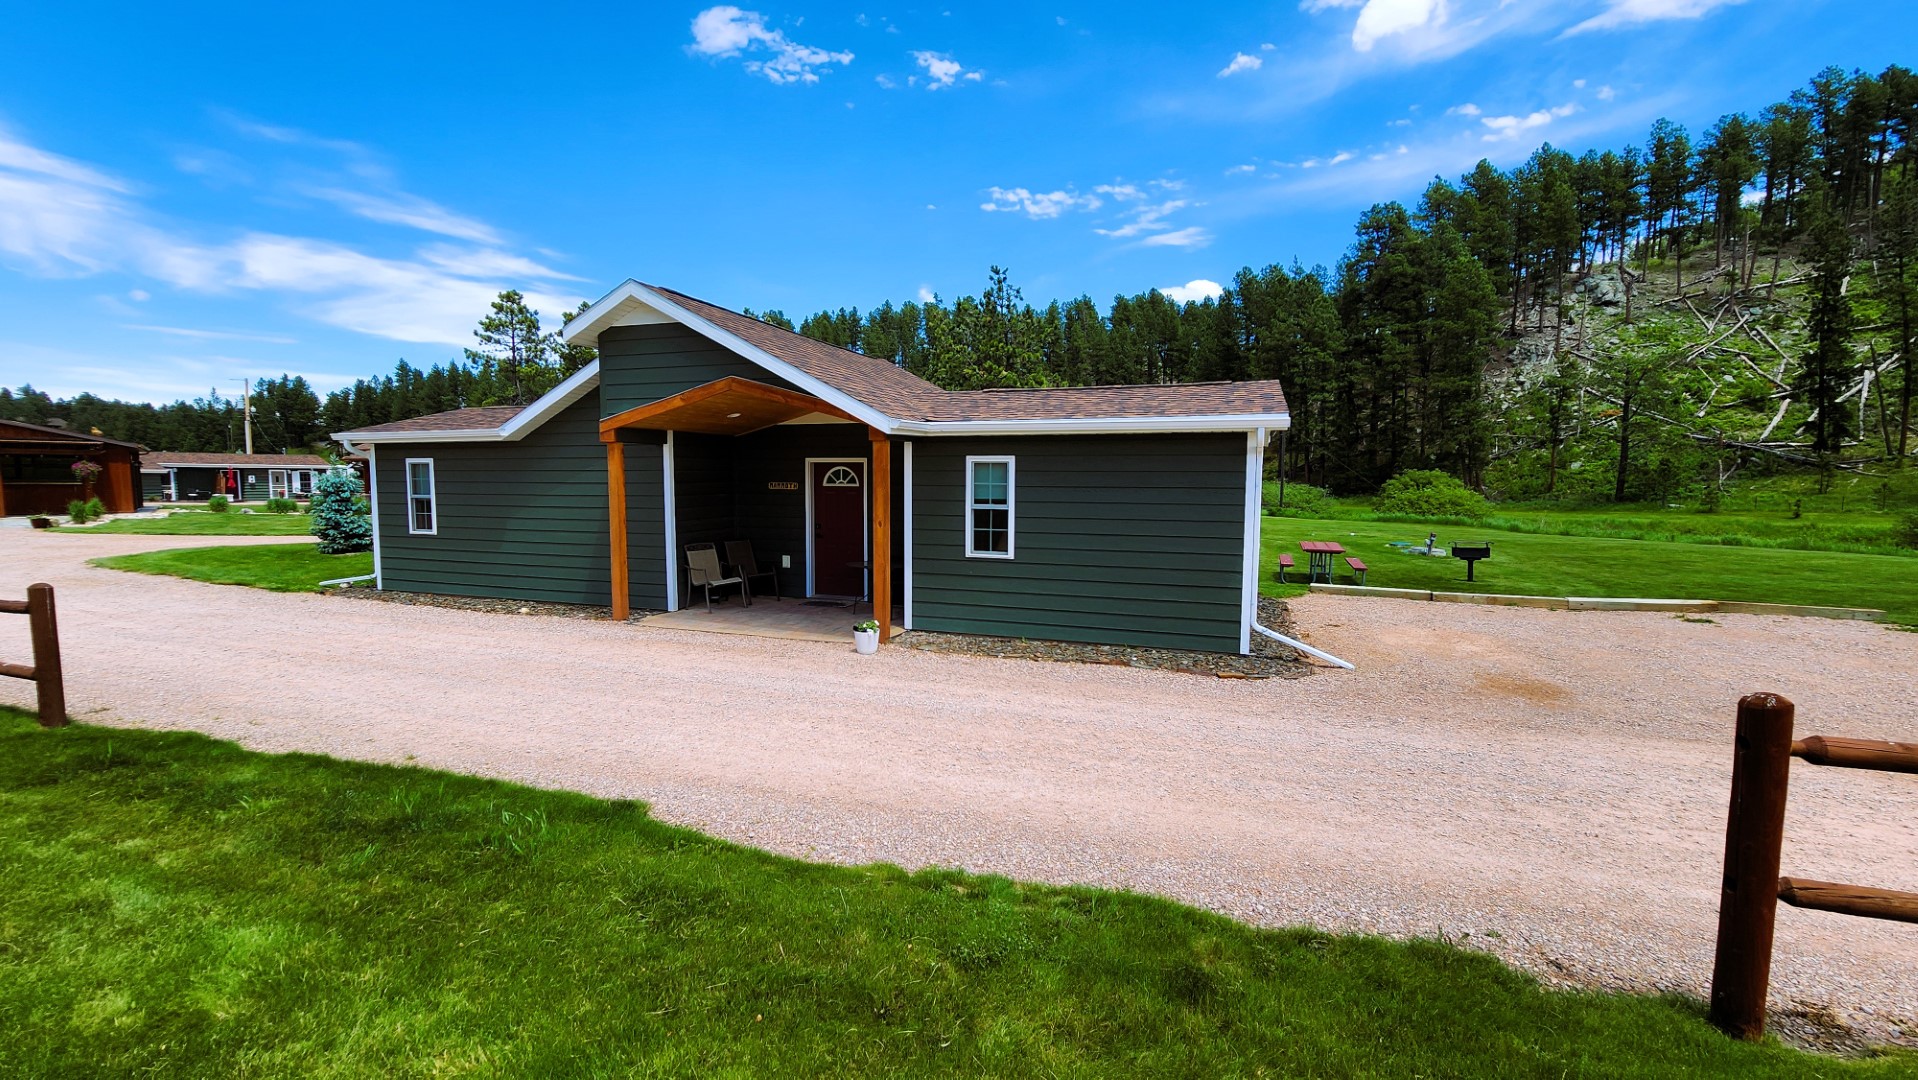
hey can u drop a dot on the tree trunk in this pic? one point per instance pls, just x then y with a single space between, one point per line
1624 447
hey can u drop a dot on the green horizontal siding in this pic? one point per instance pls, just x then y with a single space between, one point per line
1119 539
524 520
639 365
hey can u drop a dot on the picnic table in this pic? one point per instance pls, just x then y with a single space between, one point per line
1320 553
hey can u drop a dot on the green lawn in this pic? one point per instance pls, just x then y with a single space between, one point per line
173 905
1549 565
205 523
279 567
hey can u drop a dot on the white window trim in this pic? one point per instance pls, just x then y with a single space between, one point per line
1012 497
432 497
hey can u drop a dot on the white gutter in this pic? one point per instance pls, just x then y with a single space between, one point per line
1098 425
1303 647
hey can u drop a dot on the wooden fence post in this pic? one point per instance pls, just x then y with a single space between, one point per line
46 656
1748 902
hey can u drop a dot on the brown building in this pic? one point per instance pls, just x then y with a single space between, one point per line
36 469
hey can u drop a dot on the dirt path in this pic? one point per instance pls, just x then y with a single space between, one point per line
1551 784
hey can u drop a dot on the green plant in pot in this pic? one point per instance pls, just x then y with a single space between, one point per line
865 636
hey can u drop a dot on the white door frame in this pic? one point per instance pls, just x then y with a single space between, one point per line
865 511
276 477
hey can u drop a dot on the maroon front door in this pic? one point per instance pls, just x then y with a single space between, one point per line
839 528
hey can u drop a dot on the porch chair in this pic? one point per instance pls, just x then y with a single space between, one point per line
740 554
702 565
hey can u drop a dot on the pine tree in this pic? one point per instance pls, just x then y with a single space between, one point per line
1828 366
513 346
339 514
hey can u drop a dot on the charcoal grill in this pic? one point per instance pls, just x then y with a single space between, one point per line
1471 553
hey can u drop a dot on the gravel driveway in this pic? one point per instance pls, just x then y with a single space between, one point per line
1546 785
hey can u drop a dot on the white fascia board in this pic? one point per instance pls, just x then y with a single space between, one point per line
577 385
463 435
523 423
867 414
1098 425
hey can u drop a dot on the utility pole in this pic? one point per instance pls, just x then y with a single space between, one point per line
246 409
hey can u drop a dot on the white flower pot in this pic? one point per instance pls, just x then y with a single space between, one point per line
866 641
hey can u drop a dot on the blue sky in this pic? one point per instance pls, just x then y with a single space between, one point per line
194 194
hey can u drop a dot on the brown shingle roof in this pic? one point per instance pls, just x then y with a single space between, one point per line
476 418
899 394
161 458
879 383
904 396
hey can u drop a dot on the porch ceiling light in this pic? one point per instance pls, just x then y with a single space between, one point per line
732 416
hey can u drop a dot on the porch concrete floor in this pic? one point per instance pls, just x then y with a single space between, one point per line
794 620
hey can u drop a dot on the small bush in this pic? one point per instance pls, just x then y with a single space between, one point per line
96 509
1430 493
77 512
1301 500
282 506
1906 531
217 504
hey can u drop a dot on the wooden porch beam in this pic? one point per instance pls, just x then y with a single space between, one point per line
616 520
882 532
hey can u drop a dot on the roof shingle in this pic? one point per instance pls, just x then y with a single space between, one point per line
904 396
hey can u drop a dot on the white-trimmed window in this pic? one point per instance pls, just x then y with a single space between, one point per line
422 511
989 507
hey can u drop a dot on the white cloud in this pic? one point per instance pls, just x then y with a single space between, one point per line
214 335
1313 7
1403 121
1578 84
411 211
1606 93
726 31
61 218
1510 127
1241 62
1623 13
1196 289
1121 192
943 71
1145 219
1467 109
1267 46
1381 19
1241 170
926 295
1192 237
140 295
1038 205
885 82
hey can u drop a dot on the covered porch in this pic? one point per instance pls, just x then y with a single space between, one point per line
812 490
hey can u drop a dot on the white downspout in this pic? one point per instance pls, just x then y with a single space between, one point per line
1303 647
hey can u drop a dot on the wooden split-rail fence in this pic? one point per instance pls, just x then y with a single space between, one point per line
44 672
1748 904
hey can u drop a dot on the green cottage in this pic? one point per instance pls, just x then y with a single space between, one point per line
1113 514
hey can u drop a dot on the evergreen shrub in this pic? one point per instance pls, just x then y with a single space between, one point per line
217 504
96 509
282 506
77 512
339 514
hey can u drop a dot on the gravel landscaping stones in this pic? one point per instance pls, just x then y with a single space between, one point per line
490 605
1269 659
1548 786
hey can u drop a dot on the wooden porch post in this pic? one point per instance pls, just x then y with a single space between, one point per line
616 519
882 532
